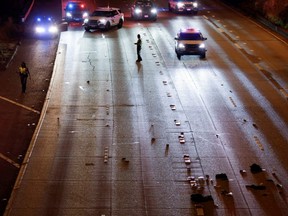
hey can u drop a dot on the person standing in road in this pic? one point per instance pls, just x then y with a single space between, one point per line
138 44
24 73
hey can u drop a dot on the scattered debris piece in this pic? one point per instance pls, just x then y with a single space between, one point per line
187 159
255 126
177 123
199 198
256 187
199 210
181 139
255 168
221 176
243 171
226 193
173 107
125 160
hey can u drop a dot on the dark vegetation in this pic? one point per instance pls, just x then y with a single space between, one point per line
275 11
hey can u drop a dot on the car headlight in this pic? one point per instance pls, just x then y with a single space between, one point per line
154 10
202 46
195 4
68 14
181 46
85 14
39 29
103 21
53 29
138 10
180 4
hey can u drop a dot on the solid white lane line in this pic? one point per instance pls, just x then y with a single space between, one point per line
9 160
20 105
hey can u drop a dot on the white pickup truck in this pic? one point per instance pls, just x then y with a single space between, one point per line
104 18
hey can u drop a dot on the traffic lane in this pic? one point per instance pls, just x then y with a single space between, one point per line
79 126
20 112
233 142
265 49
153 108
224 89
225 55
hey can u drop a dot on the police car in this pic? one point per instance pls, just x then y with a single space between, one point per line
45 27
75 11
190 41
104 18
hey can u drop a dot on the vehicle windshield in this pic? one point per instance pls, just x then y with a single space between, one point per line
190 36
44 20
184 0
102 13
144 3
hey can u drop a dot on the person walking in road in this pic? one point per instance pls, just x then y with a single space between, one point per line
138 44
24 73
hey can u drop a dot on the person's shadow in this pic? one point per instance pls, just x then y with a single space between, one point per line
139 67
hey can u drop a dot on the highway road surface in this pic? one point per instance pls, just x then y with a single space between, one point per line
117 137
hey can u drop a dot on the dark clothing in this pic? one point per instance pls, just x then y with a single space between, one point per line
23 73
139 43
23 79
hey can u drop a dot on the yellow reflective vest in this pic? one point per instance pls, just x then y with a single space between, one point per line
23 71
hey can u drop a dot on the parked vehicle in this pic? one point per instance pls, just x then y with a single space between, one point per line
104 18
75 11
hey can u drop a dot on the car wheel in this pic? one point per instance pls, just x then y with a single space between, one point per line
107 26
169 7
120 24
176 9
178 56
203 56
87 29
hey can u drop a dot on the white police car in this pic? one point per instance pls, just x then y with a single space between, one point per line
190 41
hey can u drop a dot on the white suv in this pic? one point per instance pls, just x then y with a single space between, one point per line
190 42
189 6
104 18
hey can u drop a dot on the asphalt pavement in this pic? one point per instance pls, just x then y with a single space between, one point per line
19 113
